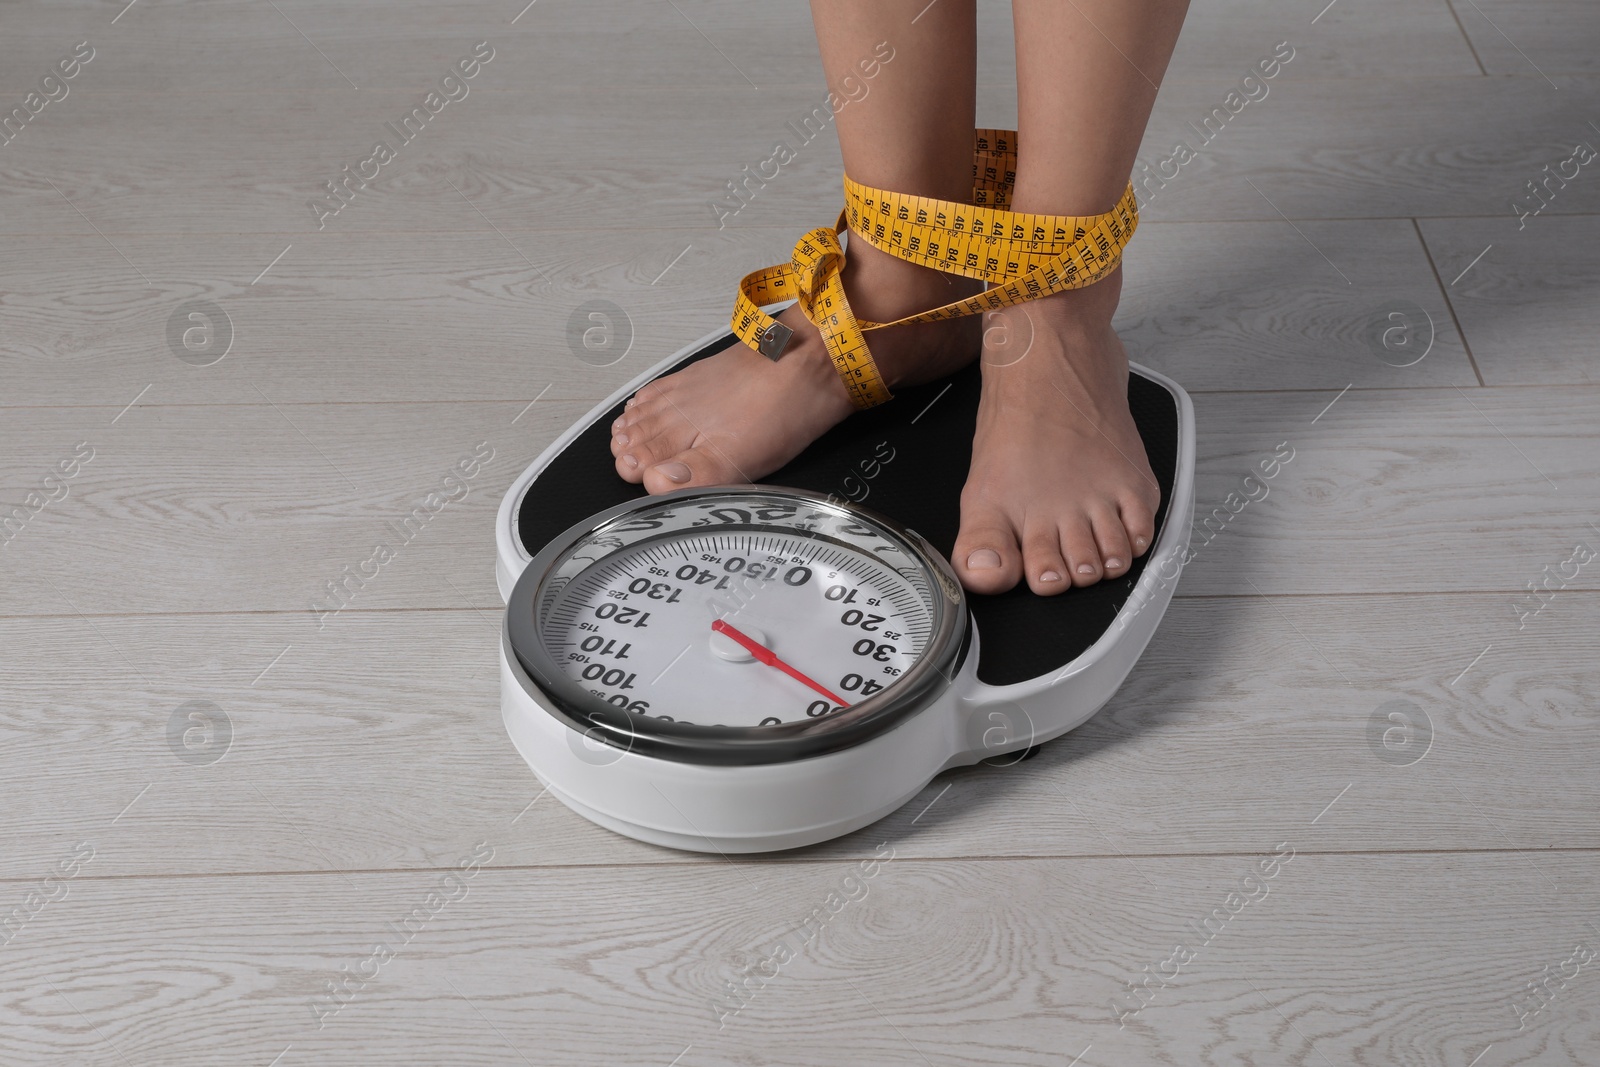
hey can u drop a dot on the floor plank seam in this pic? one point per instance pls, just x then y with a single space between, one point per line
1451 4
1342 594
1444 291
591 401
716 862
1336 594
1176 79
752 228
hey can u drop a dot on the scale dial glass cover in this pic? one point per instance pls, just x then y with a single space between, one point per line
737 625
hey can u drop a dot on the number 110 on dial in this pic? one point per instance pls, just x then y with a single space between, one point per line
743 626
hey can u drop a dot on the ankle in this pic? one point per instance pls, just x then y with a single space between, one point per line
1065 338
882 287
812 373
1088 310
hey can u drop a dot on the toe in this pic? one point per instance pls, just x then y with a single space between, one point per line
644 440
629 468
1042 564
1082 554
633 427
637 455
625 431
1139 521
693 466
986 556
1116 554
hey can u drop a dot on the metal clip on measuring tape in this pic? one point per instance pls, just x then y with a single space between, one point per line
1023 256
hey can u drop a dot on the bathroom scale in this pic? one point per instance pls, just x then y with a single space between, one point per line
748 668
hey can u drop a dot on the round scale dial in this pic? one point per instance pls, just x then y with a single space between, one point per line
737 616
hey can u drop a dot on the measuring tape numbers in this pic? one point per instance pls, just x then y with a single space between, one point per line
1021 255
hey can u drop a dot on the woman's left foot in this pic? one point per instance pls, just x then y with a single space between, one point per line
1060 492
737 415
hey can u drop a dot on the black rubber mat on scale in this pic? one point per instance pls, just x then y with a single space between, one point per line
906 459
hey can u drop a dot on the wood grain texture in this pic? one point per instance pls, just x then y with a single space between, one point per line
195 45
1355 502
507 151
1368 147
256 507
478 316
1223 39
1529 302
1280 316
1356 148
1524 39
376 741
965 962
485 316
201 46
217 502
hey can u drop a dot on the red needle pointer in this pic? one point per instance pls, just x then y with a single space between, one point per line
770 658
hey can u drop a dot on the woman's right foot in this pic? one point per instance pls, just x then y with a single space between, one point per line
737 416
1060 491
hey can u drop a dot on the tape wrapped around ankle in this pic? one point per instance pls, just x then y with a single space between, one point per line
1023 256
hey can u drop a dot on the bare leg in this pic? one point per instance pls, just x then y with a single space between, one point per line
908 127
1060 492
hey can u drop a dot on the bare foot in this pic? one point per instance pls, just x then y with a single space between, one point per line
737 416
1059 492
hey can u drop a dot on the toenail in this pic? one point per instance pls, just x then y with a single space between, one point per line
1113 563
623 439
1086 568
674 471
1049 576
1139 543
984 559
627 457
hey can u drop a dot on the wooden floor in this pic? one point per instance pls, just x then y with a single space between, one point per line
1354 673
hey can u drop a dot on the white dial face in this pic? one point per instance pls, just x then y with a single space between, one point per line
738 627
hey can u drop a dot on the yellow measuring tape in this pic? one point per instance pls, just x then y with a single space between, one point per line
1023 256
